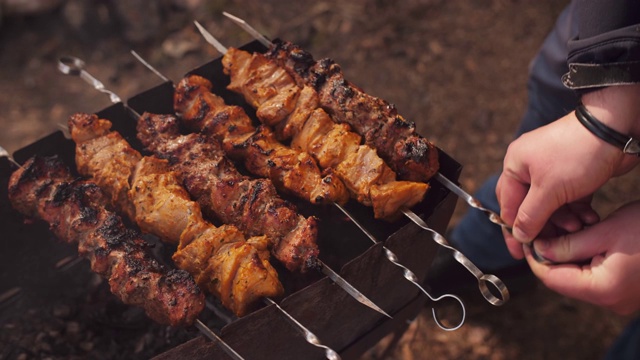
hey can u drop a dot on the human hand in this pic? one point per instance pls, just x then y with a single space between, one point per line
609 254
557 165
561 163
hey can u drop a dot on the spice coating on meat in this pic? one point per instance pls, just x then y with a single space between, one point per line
104 153
291 171
75 210
213 181
233 261
410 155
213 256
266 85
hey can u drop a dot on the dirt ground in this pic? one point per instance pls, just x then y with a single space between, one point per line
458 69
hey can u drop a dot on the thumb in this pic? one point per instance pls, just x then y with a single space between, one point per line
534 212
572 248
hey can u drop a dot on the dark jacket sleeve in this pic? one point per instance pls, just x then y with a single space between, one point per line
606 50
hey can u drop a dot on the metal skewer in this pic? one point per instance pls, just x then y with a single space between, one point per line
248 28
483 279
204 329
310 337
326 270
473 202
5 153
409 275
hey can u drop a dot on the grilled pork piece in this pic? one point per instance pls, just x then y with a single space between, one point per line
213 181
75 210
235 270
291 171
277 97
410 155
220 259
107 157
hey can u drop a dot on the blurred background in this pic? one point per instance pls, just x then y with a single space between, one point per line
458 69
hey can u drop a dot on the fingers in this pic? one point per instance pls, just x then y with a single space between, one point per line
607 281
568 279
572 217
527 208
510 191
514 247
573 247
584 211
534 212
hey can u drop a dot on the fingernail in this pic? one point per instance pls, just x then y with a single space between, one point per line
536 250
520 235
591 219
541 245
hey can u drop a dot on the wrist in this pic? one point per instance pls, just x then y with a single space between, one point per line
617 107
628 145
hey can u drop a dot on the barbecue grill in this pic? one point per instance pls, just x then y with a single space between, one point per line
39 270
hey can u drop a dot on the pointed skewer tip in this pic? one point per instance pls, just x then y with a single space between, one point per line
5 153
250 29
351 290
210 39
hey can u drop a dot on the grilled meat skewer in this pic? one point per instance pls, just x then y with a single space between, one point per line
409 154
75 210
291 171
233 268
213 181
295 112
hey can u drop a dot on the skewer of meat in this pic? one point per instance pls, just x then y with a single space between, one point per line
370 114
408 153
484 280
75 210
44 189
213 181
293 172
234 269
299 118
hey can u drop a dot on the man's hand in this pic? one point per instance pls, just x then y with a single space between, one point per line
557 165
553 168
610 252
